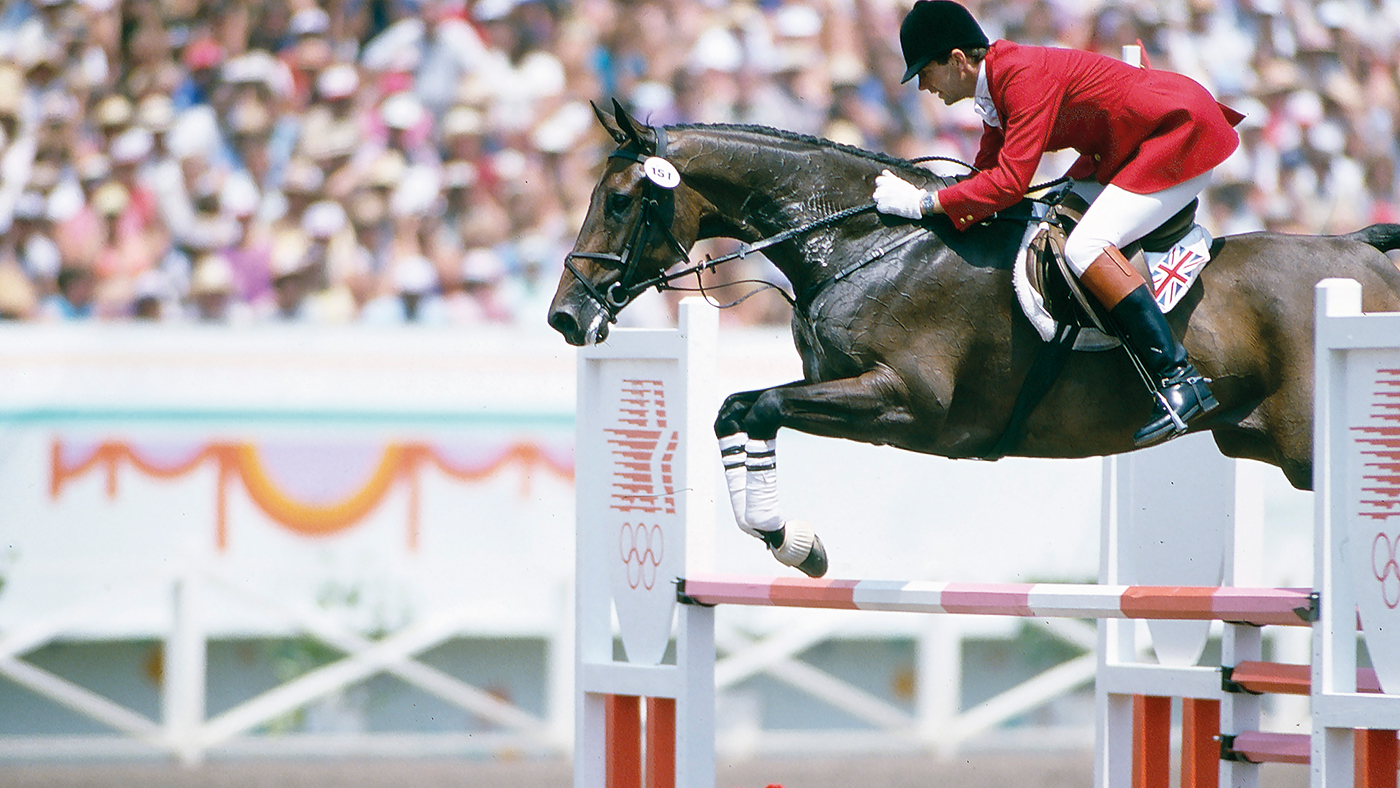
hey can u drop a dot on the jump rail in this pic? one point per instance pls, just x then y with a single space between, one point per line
1279 606
645 539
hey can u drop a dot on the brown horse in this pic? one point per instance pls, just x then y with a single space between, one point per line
910 334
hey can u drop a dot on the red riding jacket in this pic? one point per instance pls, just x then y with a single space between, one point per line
1139 129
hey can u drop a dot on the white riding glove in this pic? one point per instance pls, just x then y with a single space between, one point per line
897 196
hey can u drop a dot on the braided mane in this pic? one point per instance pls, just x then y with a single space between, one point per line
883 159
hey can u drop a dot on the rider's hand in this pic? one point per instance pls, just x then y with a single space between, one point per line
897 196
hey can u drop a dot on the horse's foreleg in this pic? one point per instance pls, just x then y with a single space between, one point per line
733 452
747 428
862 407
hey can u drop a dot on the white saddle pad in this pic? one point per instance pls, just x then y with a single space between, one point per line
1173 273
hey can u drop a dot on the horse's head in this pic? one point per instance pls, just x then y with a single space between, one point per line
641 220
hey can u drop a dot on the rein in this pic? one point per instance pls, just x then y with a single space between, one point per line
657 213
745 250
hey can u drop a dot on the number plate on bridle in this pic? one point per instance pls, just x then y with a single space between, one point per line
661 172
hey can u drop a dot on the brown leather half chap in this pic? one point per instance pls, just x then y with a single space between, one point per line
1111 277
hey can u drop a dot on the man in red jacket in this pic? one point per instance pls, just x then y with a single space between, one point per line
1148 138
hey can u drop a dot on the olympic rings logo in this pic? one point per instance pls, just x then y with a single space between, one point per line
642 549
1386 568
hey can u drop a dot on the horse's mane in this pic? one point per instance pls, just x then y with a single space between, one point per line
883 159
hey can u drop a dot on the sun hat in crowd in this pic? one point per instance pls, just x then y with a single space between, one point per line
482 266
238 197
302 177
156 112
338 81
402 110
717 49
338 139
797 20
92 167
57 109
250 118
309 22
323 219
459 175
288 255
367 210
112 112
415 275
153 285
110 199
212 275
29 206
416 192
387 169
131 146
462 122
492 10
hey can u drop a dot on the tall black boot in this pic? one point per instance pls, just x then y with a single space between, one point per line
1182 393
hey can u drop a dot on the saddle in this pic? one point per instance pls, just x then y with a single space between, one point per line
1049 274
1067 317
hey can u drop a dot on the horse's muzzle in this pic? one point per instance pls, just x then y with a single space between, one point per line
581 322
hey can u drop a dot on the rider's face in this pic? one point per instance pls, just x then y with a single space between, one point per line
952 81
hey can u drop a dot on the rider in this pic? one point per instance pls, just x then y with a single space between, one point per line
1150 137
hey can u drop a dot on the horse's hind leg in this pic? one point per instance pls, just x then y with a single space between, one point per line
747 428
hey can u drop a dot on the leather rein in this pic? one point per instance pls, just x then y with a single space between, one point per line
655 218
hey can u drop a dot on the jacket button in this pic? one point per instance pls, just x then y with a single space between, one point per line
967 218
1097 157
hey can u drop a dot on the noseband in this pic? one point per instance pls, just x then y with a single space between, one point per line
655 217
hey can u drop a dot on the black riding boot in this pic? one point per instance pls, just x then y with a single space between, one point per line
1183 394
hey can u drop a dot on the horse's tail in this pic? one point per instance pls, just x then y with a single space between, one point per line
1385 237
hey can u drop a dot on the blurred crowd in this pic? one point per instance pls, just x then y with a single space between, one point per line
430 161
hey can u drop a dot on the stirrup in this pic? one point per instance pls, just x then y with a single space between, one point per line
1172 421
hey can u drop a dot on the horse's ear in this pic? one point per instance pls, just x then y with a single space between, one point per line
610 124
630 127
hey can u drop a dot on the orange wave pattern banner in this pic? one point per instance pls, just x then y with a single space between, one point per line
397 463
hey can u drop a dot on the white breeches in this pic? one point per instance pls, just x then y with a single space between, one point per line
1117 217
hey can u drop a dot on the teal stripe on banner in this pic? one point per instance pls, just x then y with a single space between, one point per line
285 417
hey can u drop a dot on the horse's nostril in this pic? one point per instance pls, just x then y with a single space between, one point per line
564 323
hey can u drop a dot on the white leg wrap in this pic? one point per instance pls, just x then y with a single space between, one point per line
731 452
798 538
761 500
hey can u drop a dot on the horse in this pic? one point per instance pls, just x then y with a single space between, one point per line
909 332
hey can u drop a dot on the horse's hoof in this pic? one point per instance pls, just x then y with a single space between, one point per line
815 565
801 548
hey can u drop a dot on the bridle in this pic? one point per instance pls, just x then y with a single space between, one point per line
654 218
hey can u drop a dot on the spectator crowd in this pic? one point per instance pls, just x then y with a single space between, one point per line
429 161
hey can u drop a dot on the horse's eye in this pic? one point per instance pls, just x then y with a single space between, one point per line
618 204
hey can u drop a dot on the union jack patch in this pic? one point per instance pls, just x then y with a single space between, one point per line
1175 270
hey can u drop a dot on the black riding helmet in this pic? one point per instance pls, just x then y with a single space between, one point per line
932 30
